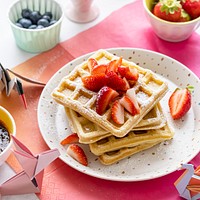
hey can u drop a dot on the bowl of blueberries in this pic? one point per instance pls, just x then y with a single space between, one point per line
36 24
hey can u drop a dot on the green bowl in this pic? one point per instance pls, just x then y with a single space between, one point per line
36 40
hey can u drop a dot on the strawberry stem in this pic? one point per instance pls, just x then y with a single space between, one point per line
190 88
170 6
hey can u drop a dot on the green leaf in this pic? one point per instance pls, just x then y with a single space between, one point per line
170 6
190 88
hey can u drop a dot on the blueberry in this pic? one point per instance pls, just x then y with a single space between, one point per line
43 22
25 22
48 14
40 27
26 13
35 16
32 26
52 22
46 17
18 24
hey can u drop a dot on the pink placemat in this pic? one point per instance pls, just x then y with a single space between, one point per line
129 27
126 27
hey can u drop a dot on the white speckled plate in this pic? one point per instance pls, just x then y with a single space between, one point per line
155 162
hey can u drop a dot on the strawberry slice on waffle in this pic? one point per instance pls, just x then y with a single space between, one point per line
117 112
104 97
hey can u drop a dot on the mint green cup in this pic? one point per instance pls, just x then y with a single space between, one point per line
36 40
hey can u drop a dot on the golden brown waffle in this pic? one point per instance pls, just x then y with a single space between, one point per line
115 156
90 132
112 149
71 93
133 138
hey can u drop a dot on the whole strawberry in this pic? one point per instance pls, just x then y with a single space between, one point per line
185 17
169 10
192 7
179 102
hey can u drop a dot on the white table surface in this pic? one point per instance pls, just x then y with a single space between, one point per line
11 55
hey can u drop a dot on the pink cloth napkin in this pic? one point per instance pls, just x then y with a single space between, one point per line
126 27
129 27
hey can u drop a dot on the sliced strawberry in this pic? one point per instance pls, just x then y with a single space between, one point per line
179 103
70 139
126 102
123 70
77 153
131 94
115 82
131 83
104 97
127 83
94 82
92 63
114 64
128 73
98 69
117 112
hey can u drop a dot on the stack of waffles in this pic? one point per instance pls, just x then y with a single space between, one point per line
108 140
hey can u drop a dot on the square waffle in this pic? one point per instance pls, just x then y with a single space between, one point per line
90 132
113 149
133 138
71 93
112 157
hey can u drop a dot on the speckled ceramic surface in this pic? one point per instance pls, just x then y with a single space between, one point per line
155 162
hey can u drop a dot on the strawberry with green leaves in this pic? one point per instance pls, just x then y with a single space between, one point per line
185 17
180 102
169 10
192 7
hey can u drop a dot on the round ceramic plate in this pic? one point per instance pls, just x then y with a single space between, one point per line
149 164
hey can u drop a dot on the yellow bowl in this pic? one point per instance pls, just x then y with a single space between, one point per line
36 40
7 121
169 31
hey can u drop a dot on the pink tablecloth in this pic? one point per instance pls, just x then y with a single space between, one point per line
126 27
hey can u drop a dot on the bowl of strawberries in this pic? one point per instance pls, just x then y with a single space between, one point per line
173 20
